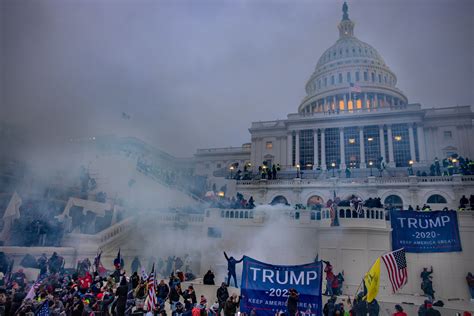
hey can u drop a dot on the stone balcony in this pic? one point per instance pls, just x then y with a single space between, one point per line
368 181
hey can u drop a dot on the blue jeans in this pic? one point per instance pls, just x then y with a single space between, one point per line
471 290
329 287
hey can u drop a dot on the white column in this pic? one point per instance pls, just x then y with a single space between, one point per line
324 105
364 104
391 158
334 100
382 143
315 160
342 149
289 144
412 143
346 105
420 133
376 100
362 147
323 149
297 155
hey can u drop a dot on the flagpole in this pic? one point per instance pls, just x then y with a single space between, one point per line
365 275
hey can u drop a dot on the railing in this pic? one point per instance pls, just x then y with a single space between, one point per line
392 180
233 150
142 169
116 229
436 179
314 215
362 180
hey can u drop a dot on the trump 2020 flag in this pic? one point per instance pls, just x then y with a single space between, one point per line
265 287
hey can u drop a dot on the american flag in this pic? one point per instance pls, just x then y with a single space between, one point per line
43 310
32 292
358 208
396 264
151 290
355 88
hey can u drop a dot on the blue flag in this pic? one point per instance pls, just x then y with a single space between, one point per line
422 232
265 287
44 309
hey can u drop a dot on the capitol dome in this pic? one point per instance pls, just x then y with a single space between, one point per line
351 76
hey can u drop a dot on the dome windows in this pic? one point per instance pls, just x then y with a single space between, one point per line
366 76
357 76
340 78
332 80
349 77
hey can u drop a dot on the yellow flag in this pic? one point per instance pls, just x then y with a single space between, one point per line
372 281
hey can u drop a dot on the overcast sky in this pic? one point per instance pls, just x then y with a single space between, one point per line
195 74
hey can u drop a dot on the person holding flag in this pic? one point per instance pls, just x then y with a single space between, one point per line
151 301
372 281
118 264
99 267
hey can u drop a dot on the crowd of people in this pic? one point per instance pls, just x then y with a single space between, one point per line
182 179
92 290
235 202
465 203
37 225
450 165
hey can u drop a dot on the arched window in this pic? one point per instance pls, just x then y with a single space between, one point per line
436 199
393 201
280 199
313 216
315 201
227 214
241 214
231 214
246 214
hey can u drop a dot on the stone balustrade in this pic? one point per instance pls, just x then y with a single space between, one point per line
358 181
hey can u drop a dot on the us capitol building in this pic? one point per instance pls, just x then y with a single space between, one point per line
352 120
353 116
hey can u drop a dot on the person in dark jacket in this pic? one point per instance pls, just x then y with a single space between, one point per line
231 263
78 306
134 280
209 278
222 296
121 294
374 308
360 306
189 294
470 284
292 302
175 293
231 305
329 307
162 290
